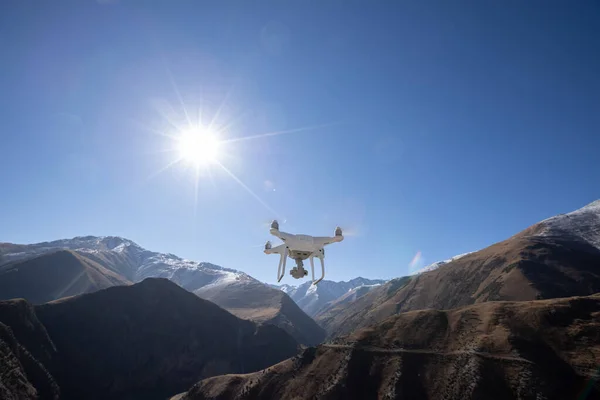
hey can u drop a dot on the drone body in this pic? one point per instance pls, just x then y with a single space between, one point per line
299 248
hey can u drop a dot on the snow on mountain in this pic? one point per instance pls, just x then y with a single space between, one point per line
437 264
131 260
135 263
313 298
285 288
235 291
582 224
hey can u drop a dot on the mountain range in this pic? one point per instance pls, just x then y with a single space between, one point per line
48 271
517 319
90 263
314 298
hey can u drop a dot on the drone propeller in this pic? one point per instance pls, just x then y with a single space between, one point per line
348 231
268 223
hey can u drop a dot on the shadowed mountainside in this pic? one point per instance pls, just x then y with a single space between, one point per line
148 340
53 275
545 349
26 352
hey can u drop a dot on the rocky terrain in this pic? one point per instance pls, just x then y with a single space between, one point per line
26 351
558 257
544 349
149 340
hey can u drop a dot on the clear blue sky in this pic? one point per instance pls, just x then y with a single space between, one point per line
459 123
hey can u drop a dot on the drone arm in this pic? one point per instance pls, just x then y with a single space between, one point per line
275 250
325 240
281 235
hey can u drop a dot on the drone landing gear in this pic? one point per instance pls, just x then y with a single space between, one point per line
298 272
312 267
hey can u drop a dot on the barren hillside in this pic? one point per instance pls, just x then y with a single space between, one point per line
545 349
527 266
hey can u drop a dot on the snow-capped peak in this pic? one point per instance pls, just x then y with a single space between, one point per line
438 264
594 206
582 224
129 259
312 297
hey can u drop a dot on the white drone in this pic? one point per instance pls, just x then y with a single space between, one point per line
299 248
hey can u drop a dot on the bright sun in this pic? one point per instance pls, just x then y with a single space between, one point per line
199 146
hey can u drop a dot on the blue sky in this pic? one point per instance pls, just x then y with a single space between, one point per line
452 125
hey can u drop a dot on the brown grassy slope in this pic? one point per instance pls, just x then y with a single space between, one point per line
151 340
54 275
25 348
519 268
258 302
545 349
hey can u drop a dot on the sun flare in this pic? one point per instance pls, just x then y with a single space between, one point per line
199 146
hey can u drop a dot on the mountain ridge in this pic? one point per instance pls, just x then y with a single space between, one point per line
557 257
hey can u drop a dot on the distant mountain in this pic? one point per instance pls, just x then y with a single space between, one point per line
50 270
557 257
545 349
250 299
127 259
147 340
313 299
53 275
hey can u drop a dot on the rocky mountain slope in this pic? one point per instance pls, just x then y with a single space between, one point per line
312 299
558 257
26 352
47 271
148 340
545 349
